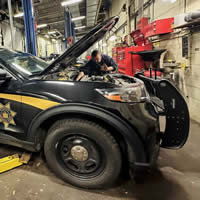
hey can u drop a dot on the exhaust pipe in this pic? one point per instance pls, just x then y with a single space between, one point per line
192 16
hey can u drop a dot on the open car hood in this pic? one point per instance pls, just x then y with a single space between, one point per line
96 34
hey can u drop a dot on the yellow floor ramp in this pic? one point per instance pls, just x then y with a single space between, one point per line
13 161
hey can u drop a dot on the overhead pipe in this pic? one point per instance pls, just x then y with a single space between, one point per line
185 6
192 16
128 18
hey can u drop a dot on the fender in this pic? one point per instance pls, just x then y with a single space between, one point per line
135 147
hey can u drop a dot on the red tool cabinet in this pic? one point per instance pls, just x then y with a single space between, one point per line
159 27
130 64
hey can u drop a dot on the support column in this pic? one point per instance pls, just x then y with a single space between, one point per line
128 17
68 27
73 32
11 23
29 27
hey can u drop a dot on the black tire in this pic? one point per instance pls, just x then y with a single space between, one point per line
103 164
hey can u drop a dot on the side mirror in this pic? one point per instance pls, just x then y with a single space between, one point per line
3 75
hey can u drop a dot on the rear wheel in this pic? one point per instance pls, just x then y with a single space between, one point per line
83 153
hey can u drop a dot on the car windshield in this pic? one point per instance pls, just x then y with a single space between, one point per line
23 62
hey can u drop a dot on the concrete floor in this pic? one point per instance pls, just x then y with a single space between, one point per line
177 177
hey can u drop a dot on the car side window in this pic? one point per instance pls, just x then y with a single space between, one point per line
8 73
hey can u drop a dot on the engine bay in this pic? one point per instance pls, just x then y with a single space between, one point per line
71 73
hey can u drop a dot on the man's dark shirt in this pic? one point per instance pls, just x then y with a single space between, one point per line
93 68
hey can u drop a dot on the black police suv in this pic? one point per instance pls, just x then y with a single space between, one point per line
91 128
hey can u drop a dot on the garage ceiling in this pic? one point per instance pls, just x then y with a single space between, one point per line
52 13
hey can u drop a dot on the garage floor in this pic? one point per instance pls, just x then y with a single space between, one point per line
177 178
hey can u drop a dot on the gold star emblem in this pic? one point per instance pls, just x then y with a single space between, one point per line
7 115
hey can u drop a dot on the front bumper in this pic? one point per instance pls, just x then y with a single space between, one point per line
138 168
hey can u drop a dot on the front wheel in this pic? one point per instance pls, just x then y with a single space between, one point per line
83 153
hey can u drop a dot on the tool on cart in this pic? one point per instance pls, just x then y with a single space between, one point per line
152 57
11 162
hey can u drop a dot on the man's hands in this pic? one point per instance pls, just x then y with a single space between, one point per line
105 68
80 75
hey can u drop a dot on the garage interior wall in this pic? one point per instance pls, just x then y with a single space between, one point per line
45 46
172 42
5 39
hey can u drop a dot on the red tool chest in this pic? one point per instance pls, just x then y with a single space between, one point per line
130 64
142 23
159 27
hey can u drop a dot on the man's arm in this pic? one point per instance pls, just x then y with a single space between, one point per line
111 65
83 71
80 75
105 68
111 68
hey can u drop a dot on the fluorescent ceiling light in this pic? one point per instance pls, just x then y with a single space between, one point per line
104 45
51 32
113 38
80 27
78 18
69 2
170 1
19 15
41 25
47 36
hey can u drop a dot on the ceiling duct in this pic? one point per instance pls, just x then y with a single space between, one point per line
91 8
192 16
187 19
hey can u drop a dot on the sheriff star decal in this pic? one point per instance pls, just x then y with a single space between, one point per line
7 115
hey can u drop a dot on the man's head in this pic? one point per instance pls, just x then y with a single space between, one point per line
96 56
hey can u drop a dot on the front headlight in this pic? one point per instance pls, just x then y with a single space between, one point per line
135 93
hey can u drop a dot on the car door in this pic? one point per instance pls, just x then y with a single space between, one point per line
10 104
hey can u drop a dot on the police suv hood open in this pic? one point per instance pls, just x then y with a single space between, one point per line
96 34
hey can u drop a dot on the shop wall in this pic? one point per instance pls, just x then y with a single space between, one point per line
46 46
18 36
174 47
172 42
